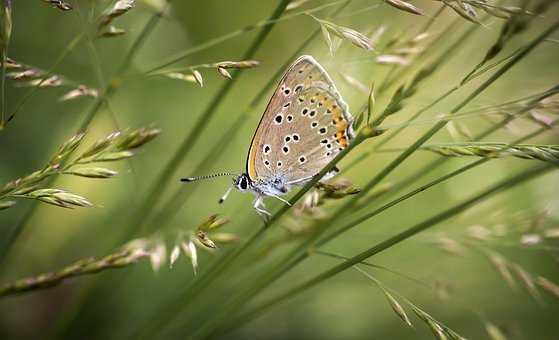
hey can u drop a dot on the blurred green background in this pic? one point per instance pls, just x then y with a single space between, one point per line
112 304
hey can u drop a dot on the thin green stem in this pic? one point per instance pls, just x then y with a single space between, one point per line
422 226
271 276
229 258
12 234
431 166
182 195
266 23
523 52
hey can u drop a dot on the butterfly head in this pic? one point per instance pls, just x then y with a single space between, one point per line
242 182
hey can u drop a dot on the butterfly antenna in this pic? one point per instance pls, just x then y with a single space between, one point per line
196 178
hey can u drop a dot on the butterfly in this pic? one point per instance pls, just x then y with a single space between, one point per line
305 125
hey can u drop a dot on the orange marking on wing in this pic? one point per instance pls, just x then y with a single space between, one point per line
341 126
251 169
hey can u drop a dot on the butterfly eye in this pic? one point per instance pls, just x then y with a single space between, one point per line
244 183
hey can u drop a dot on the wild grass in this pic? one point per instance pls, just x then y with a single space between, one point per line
241 277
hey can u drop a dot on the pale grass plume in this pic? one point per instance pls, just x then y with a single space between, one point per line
394 304
189 249
80 91
113 147
192 73
24 75
119 8
527 280
551 287
224 73
546 153
355 83
440 331
294 4
355 37
404 6
121 258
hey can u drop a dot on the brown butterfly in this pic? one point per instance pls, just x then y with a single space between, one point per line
305 125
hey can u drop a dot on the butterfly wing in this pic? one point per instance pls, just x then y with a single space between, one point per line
305 125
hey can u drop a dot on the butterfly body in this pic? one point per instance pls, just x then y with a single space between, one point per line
305 125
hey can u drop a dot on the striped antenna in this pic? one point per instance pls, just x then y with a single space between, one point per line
193 179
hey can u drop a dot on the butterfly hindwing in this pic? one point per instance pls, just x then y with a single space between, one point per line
306 123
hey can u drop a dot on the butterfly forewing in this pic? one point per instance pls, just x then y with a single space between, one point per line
304 126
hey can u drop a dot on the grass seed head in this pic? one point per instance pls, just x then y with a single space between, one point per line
203 238
6 204
548 286
95 172
189 249
80 91
244 64
404 6
111 32
175 253
224 73
198 77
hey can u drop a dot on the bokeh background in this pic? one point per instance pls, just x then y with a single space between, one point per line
112 304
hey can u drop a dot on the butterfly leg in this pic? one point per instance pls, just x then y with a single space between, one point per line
259 206
281 199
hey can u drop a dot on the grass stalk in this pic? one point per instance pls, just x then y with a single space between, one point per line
306 249
241 299
29 94
435 164
87 266
382 246
230 257
213 42
522 52
13 234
